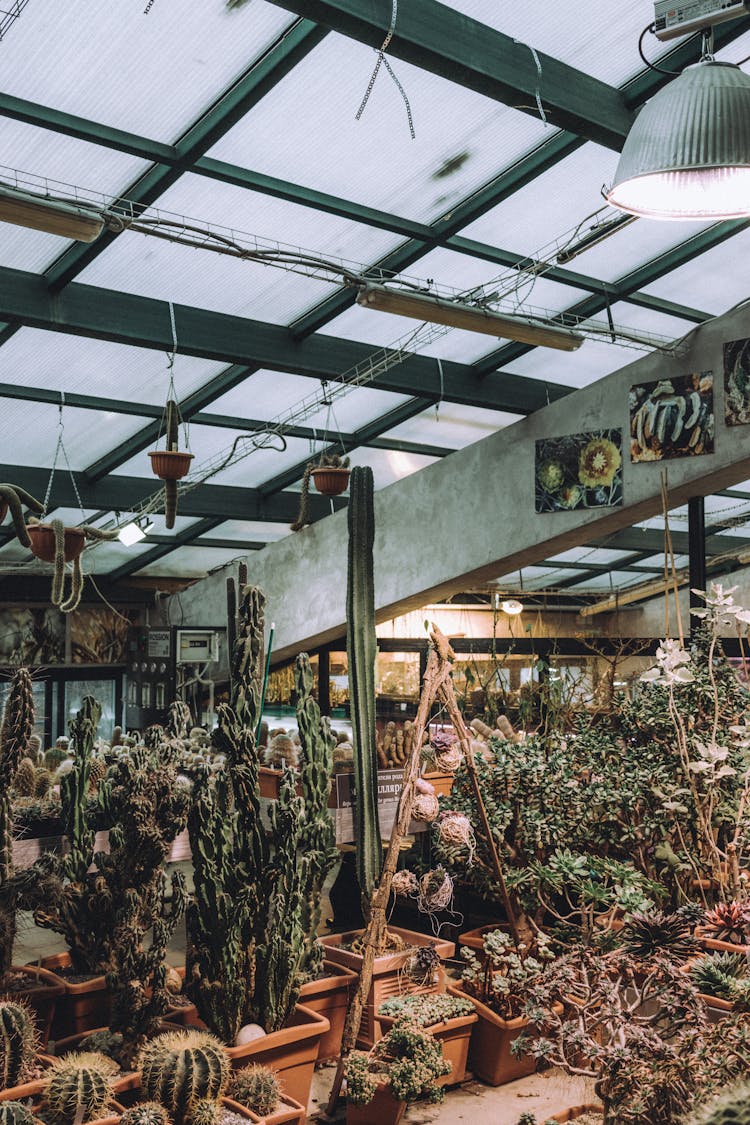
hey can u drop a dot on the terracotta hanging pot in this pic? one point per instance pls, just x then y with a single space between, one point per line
330 481
42 536
170 464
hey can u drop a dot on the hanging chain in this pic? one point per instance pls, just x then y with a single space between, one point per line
58 448
383 61
442 389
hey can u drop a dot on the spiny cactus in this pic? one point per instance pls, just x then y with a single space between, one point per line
318 836
43 782
180 720
15 498
78 1087
730 1108
325 461
145 1113
15 731
54 756
182 1068
16 1113
361 647
97 773
257 1088
24 784
205 1112
18 1042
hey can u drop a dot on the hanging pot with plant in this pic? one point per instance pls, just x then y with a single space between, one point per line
330 474
171 464
54 543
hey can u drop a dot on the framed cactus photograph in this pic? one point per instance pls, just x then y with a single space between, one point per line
672 417
578 471
737 382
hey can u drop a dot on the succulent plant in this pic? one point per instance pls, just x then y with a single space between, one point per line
407 1059
18 1042
257 1088
424 1010
732 1107
725 976
181 1068
78 1087
205 1112
15 1113
24 783
728 921
649 932
145 1113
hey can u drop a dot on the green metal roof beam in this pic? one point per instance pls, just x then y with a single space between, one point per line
181 539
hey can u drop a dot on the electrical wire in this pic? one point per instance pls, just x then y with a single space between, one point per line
652 66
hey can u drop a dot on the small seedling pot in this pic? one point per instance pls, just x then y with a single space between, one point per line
170 464
330 481
42 538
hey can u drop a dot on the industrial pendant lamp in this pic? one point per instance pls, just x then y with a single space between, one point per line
687 155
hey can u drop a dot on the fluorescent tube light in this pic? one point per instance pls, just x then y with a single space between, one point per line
439 311
134 532
69 220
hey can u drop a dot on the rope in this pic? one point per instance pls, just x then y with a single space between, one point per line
383 61
442 389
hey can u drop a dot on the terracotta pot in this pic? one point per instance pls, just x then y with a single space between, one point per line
290 1112
114 1119
127 1080
382 1110
42 538
490 1056
291 1052
474 939
242 1111
329 997
330 481
42 1001
575 1112
27 1089
387 975
717 946
442 783
84 1007
454 1037
170 464
717 1008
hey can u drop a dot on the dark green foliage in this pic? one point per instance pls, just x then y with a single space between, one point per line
15 1113
78 1087
16 729
649 932
18 1043
182 1068
361 648
724 976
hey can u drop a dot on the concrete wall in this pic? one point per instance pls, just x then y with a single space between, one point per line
470 518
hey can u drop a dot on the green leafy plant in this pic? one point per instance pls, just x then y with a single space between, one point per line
407 1060
503 977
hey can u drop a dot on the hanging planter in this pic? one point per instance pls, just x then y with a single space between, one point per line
44 541
53 543
171 464
330 475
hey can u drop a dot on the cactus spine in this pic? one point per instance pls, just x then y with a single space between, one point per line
182 1068
15 731
16 1113
146 1113
730 1108
361 647
18 1042
78 1087
318 836
205 1112
257 1088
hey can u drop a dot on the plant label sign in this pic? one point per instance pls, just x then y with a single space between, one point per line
389 791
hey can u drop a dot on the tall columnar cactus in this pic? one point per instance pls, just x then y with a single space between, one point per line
318 836
170 486
182 1068
18 1043
361 647
16 729
78 1087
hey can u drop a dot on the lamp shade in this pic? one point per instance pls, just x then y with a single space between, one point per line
687 155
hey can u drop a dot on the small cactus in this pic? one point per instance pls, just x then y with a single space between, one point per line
18 1042
97 773
43 782
205 1112
16 1113
257 1088
24 783
182 1068
730 1108
34 749
147 1113
55 756
78 1087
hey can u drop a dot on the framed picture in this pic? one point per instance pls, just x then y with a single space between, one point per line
579 471
737 382
672 417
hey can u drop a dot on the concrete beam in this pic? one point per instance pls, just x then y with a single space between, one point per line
470 518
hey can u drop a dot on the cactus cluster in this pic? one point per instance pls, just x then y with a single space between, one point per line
730 1108
16 729
78 1087
16 1113
18 1042
257 1088
145 1113
182 1069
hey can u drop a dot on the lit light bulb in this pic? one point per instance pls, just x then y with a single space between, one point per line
512 607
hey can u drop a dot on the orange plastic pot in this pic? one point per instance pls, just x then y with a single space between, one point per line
331 481
42 538
84 1007
170 464
454 1036
43 1000
329 997
289 1112
383 1109
292 1052
575 1112
718 946
27 1089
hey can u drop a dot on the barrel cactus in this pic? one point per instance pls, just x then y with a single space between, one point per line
730 1108
257 1088
182 1068
78 1087
205 1112
16 1113
146 1113
18 1042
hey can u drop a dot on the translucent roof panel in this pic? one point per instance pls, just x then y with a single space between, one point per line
374 161
27 148
533 577
711 281
452 425
151 74
269 394
86 439
389 465
108 556
612 580
608 49
137 263
596 556
77 364
657 561
251 531
190 562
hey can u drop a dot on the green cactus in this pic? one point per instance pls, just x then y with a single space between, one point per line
78 1087
170 486
54 756
43 782
18 1042
97 773
34 749
257 1088
24 783
182 1068
15 731
730 1108
361 647
205 1112
318 836
145 1113
16 1113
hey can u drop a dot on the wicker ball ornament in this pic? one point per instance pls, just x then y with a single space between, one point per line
425 808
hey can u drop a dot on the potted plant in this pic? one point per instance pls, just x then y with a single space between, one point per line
448 1018
171 464
13 498
258 1089
499 984
583 1114
330 474
402 1066
726 927
722 980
